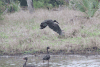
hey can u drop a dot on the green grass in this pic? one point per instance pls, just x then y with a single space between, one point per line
21 35
95 32
3 35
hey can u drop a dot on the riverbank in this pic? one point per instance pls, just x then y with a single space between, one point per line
20 33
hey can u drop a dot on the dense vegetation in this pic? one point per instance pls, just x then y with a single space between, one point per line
2 7
14 5
9 5
89 7
47 3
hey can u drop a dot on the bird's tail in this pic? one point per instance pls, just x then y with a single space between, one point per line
62 33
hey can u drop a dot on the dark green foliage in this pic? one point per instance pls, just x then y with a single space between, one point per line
47 3
13 7
57 2
38 4
11 4
2 8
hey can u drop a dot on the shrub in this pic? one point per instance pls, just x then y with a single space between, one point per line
13 7
47 3
57 2
87 6
2 8
38 4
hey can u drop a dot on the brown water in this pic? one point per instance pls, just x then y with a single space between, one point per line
55 61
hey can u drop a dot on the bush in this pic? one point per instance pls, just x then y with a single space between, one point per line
87 6
13 7
38 4
47 3
2 8
57 2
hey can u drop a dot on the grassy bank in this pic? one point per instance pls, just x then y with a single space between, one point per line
20 33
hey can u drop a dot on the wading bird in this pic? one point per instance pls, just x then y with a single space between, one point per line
24 65
47 56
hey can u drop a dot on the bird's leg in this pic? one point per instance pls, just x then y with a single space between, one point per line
43 61
48 63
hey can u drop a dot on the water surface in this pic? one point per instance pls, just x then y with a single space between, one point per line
55 61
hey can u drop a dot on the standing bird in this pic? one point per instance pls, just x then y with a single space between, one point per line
54 26
24 65
47 57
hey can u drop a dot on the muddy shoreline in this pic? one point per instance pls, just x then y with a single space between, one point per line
58 52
